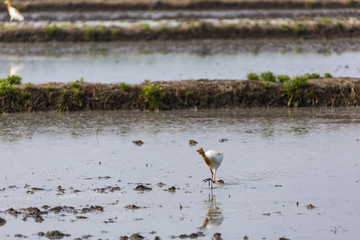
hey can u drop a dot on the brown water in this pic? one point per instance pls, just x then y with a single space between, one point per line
273 159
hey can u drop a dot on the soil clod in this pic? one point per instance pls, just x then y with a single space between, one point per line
136 236
310 206
2 222
142 188
131 206
160 184
93 209
217 236
56 235
138 143
171 189
192 143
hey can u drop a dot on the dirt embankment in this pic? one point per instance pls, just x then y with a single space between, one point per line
109 5
186 31
201 94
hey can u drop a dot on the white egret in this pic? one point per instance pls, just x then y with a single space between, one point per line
212 159
13 12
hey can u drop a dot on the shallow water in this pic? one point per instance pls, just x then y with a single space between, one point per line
183 14
274 158
136 66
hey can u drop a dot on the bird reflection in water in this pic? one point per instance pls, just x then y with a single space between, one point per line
214 216
15 68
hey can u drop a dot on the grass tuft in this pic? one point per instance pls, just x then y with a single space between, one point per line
267 77
7 88
328 75
154 97
253 76
95 33
125 87
52 31
146 27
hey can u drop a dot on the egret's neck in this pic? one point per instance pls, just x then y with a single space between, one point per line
206 159
8 4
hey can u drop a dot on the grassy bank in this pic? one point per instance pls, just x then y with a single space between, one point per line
201 94
319 28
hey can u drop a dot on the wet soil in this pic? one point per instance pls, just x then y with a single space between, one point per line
198 94
93 5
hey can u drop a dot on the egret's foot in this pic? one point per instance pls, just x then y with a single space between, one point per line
220 181
208 180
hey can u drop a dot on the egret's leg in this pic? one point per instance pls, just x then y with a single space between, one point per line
212 176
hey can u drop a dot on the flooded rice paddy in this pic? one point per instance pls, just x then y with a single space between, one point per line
135 62
290 173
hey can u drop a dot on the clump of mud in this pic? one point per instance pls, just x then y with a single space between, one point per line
142 188
2 222
134 236
107 189
56 235
131 207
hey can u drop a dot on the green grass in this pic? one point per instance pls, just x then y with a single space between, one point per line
164 29
267 77
50 88
154 97
292 88
13 79
7 88
284 27
339 25
283 78
95 33
28 86
146 27
308 5
327 75
253 76
52 30
74 84
115 31
325 20
125 87
297 29
311 75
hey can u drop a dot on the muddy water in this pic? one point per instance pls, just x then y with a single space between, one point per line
174 64
274 159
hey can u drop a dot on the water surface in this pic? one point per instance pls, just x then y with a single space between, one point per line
135 67
274 159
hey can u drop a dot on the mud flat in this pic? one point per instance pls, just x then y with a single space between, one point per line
199 94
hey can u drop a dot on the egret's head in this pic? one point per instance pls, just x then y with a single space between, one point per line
5 2
200 150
